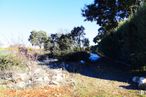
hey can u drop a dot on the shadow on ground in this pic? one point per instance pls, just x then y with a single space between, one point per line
102 69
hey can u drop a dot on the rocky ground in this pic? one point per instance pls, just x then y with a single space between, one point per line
36 75
58 80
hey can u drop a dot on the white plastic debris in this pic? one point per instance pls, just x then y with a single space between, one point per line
82 62
93 57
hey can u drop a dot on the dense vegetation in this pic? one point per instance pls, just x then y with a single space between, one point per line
108 13
12 61
59 43
121 38
128 42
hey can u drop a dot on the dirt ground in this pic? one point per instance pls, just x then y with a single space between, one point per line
53 91
84 87
88 82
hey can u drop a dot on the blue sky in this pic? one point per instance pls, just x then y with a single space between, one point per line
19 17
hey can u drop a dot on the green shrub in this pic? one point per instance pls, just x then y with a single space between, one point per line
9 62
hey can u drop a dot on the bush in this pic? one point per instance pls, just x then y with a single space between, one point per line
77 56
128 42
9 62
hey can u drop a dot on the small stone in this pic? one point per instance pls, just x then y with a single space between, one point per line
21 85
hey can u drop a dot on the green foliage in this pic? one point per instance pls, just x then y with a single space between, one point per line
77 34
58 44
38 38
65 42
61 44
10 61
107 13
128 42
85 42
48 44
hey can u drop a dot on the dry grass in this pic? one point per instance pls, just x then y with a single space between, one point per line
84 87
95 87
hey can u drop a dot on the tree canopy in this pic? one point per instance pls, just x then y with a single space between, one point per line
72 41
78 34
127 43
107 13
38 38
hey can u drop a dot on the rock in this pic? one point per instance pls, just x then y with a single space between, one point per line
21 84
20 76
54 82
36 76
6 75
140 81
57 77
46 79
135 79
40 76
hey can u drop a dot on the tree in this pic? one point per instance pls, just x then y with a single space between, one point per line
65 42
86 42
77 35
107 13
54 40
59 43
48 44
127 43
38 38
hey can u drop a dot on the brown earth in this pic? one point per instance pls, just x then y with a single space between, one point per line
52 91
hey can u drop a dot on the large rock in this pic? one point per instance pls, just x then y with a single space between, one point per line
140 81
20 85
39 76
57 77
21 76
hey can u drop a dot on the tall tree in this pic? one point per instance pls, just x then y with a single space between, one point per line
86 42
48 44
127 43
78 34
38 38
107 13
65 42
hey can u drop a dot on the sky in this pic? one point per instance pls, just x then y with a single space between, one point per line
19 17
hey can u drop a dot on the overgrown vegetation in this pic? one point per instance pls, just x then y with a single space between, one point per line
9 62
107 14
17 57
128 42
